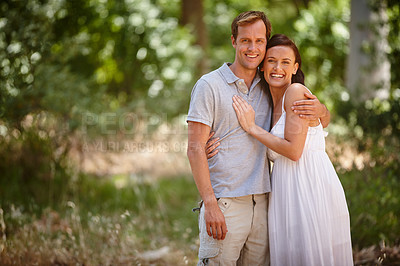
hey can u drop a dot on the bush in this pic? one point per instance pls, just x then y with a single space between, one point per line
106 221
32 170
372 192
374 206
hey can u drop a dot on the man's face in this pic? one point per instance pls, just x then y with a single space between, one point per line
250 45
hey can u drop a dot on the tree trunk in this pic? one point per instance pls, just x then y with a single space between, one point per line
193 13
368 69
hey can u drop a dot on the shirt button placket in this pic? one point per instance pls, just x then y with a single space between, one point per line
242 87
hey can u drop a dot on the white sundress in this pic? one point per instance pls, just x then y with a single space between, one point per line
308 218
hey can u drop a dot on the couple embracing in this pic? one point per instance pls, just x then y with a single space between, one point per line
259 110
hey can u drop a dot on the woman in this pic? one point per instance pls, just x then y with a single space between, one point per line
308 217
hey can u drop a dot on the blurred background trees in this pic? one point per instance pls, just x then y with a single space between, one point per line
72 70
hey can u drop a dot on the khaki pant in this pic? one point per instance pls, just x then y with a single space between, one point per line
246 242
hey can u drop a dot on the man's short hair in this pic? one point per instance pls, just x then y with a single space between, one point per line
249 17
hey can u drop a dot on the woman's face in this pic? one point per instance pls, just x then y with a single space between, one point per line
279 66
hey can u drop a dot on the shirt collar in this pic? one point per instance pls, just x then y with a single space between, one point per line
230 77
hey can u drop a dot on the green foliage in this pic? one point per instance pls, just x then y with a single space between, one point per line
108 221
372 197
69 57
36 76
392 9
64 61
375 127
67 67
22 44
141 56
322 36
113 219
31 170
166 203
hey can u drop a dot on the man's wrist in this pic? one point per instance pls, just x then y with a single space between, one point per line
209 200
325 110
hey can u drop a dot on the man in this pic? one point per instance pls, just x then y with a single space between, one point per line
234 185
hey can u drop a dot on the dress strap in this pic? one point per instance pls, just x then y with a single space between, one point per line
283 102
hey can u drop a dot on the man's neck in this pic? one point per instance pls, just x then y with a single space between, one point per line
246 74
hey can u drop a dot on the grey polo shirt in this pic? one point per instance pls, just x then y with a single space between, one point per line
241 166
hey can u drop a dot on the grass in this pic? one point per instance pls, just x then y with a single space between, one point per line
107 223
373 199
374 205
131 220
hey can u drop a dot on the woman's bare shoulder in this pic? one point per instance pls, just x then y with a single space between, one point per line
297 88
294 93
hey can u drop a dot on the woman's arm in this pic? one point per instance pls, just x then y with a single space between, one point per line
295 127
